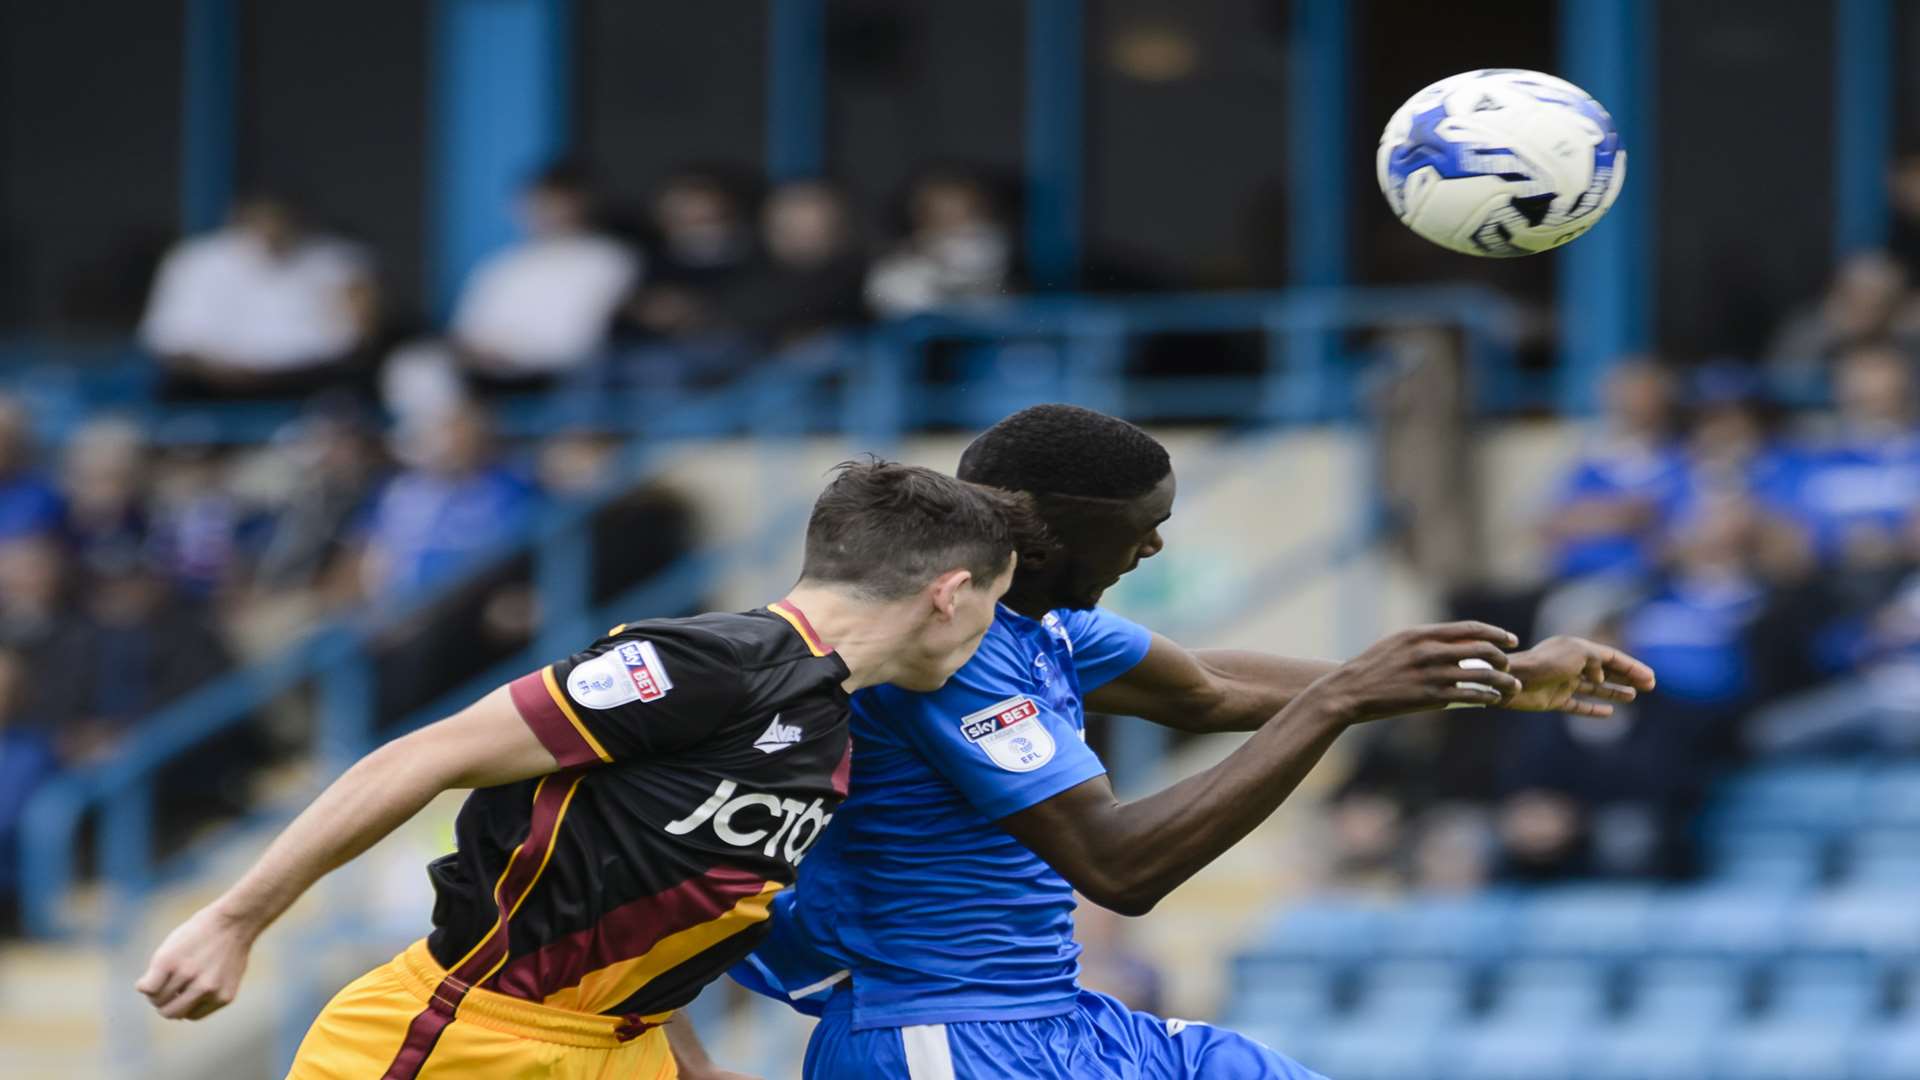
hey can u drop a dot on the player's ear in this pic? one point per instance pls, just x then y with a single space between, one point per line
946 590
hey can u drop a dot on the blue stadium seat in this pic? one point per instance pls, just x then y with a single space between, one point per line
1767 858
1337 928
1471 929
1597 920
1890 1053
1784 1051
1883 922
1883 858
1735 920
1677 1048
1825 798
1413 992
1835 990
1281 991
1545 994
1893 797
1707 992
1508 1051
1366 1051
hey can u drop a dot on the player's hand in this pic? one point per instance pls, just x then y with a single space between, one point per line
1419 670
1574 675
196 970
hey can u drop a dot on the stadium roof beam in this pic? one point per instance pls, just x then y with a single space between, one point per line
1863 36
1606 283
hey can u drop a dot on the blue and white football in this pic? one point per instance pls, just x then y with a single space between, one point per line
1501 162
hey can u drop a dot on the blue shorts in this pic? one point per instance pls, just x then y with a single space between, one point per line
1100 1040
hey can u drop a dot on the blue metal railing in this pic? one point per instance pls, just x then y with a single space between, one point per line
872 389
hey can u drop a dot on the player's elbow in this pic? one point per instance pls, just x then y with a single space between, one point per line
1129 902
1120 895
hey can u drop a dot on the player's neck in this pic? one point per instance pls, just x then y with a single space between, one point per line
848 626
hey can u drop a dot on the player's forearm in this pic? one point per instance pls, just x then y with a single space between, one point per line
1254 687
367 802
1154 844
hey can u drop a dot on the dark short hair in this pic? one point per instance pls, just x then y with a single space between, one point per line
1066 450
888 529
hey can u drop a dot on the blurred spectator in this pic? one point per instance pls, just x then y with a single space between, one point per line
260 308
1367 833
1453 851
1731 445
956 248
197 521
704 247
1854 490
29 505
636 535
1841 656
104 477
1903 196
150 645
34 600
436 519
1613 796
1605 517
813 277
26 759
1863 305
530 314
334 464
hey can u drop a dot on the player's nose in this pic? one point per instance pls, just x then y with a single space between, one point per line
1152 545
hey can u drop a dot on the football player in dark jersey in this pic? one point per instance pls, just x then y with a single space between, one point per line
635 806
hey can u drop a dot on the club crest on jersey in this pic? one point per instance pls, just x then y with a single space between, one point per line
631 672
1011 734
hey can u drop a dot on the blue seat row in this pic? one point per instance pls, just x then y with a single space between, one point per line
1675 1050
1554 994
1731 918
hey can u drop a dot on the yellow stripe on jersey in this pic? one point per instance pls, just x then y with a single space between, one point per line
610 985
566 708
814 644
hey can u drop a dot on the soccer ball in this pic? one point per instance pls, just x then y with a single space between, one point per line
1501 162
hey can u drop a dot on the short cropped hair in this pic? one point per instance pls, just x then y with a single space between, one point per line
886 530
1066 450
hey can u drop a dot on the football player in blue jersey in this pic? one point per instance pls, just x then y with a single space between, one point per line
932 924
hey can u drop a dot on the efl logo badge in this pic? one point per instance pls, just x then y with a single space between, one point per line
1011 734
631 672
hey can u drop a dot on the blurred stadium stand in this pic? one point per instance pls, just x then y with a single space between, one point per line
1369 432
1813 972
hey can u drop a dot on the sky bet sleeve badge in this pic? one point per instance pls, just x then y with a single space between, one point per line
1011 733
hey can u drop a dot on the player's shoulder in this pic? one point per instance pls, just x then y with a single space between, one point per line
746 639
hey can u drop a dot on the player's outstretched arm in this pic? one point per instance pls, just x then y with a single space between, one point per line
197 969
1214 690
1206 690
1128 856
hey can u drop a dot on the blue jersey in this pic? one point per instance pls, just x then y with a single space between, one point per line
938 913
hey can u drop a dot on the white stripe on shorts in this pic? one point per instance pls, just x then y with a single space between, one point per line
928 1056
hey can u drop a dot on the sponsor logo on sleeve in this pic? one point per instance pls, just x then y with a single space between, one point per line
631 672
1011 734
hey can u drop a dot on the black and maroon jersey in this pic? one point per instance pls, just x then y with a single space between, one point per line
700 758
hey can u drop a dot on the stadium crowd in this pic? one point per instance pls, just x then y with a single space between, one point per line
1762 555
1758 547
143 571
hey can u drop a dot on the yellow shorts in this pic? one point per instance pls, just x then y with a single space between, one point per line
405 1021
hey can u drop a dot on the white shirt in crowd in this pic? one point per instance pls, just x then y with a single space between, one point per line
545 305
226 299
